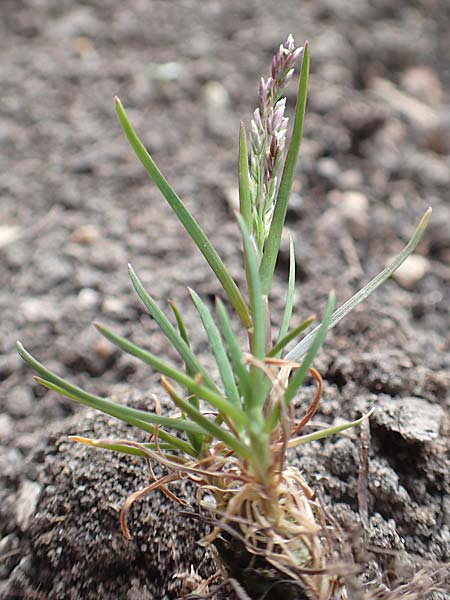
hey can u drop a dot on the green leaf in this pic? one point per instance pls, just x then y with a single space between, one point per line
272 245
318 435
213 429
170 332
133 416
299 350
180 322
220 354
276 350
258 331
319 338
245 205
196 440
234 349
217 401
255 294
185 217
179 424
290 294
116 446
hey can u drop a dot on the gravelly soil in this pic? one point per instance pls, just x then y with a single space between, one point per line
76 207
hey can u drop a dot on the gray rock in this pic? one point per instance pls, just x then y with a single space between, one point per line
414 419
26 504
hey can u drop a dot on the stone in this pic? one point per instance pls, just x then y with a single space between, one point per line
26 503
412 271
415 419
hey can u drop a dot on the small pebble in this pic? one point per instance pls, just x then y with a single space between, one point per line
86 234
412 271
215 95
26 503
6 427
88 298
115 307
19 402
423 83
37 310
327 168
353 207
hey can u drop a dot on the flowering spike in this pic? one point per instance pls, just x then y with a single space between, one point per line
267 138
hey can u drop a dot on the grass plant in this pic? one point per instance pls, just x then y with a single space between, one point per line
231 436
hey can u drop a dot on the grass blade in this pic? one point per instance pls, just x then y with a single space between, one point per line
319 338
290 294
323 433
185 217
272 244
258 330
140 418
245 206
180 322
170 332
234 349
234 413
213 429
276 350
220 354
302 347
196 440
178 424
116 446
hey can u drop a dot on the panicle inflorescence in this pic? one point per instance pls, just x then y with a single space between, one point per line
268 136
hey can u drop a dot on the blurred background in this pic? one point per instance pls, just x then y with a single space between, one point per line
75 205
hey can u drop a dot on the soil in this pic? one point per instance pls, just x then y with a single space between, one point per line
76 207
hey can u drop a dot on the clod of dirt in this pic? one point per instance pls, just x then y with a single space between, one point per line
414 419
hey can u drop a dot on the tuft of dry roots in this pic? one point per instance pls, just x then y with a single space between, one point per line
280 537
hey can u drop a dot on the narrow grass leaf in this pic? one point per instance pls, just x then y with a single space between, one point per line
318 435
302 347
178 424
255 294
195 439
185 217
290 293
133 416
217 401
220 354
258 331
180 323
319 338
175 338
213 429
245 206
277 349
234 349
116 446
272 244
